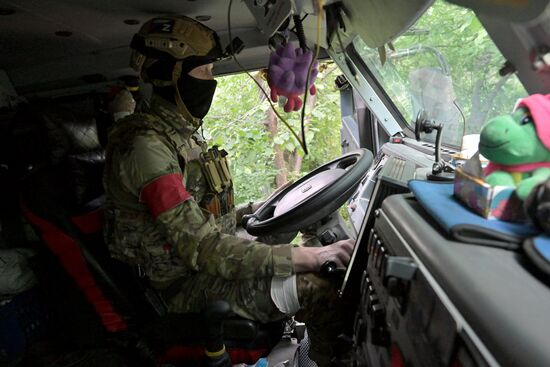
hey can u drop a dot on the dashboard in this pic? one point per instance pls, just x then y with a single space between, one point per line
426 300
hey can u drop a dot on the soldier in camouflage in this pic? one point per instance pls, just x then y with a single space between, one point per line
170 200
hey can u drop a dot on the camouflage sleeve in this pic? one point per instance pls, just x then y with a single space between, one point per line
150 156
195 236
204 248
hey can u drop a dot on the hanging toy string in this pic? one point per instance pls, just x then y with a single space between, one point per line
234 56
301 34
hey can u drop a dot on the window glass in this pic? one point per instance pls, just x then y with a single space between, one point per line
263 154
446 65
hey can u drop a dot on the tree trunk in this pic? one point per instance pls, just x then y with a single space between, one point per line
296 163
271 126
293 162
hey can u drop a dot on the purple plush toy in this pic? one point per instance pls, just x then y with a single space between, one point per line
287 75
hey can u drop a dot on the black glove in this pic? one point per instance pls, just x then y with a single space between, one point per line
537 206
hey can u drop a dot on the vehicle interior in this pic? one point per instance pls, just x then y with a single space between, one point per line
431 283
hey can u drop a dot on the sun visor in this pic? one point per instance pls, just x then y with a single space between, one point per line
512 10
378 22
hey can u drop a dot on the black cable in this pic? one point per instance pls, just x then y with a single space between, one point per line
463 118
300 33
302 40
293 29
229 27
302 143
346 59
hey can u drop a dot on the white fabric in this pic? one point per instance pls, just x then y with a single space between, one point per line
285 294
15 274
118 115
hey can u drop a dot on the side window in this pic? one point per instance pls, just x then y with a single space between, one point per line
263 154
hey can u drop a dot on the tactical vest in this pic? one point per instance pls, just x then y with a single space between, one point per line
133 236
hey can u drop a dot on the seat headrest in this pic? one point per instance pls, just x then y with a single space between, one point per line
56 156
47 133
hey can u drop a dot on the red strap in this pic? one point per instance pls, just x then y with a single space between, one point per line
89 222
164 193
70 256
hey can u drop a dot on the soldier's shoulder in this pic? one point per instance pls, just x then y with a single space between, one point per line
138 119
136 124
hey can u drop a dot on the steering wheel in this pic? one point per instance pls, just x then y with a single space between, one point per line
311 198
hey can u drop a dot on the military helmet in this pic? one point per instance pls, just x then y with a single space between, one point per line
174 38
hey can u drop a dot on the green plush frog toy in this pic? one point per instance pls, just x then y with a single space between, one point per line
518 146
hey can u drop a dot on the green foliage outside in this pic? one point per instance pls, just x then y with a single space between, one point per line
457 36
236 122
448 34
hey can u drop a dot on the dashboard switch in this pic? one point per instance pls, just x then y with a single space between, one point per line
399 267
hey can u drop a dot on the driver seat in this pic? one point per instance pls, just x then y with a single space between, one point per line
58 162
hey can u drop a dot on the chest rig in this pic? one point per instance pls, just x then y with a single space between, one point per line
213 185
205 170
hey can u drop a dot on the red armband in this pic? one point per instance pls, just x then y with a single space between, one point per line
164 193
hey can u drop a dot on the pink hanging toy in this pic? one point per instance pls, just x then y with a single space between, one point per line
287 75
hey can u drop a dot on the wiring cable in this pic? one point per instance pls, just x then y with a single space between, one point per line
349 64
320 13
234 56
301 141
463 119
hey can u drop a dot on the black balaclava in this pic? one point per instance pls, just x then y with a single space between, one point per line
196 94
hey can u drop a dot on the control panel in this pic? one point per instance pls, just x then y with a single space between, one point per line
402 320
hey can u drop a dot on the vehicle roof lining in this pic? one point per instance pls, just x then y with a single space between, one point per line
99 40
35 58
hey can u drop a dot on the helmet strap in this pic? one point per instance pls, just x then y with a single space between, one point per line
176 73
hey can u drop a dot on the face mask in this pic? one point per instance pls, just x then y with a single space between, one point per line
196 94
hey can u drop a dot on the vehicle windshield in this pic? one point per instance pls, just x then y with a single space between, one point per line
446 65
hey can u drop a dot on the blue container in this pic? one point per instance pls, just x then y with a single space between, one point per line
23 320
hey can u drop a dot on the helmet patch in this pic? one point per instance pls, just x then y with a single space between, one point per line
162 26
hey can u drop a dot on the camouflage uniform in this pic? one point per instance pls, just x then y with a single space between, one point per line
185 245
